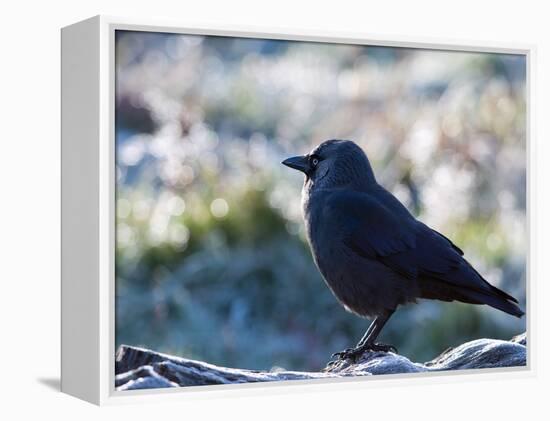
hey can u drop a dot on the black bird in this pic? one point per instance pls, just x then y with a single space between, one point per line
373 254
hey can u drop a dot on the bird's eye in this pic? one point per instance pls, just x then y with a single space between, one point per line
314 160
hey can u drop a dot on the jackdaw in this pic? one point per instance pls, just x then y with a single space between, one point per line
373 254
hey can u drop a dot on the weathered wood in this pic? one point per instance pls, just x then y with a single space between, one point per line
138 368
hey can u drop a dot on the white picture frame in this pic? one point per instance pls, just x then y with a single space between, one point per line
88 211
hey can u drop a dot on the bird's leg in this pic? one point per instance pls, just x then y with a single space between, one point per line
367 341
366 334
349 351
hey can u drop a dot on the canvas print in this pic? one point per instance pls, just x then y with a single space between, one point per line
290 210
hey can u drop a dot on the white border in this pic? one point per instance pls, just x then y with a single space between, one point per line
107 213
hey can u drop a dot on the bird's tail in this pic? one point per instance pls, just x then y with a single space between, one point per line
499 300
491 296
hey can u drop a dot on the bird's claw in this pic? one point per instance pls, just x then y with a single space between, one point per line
383 348
354 354
346 353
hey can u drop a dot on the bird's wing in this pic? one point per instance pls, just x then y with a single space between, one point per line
371 230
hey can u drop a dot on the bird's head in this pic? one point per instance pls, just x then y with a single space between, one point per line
334 163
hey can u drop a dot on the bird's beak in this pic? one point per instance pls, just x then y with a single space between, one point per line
299 163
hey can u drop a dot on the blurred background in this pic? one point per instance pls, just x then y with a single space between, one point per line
211 258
